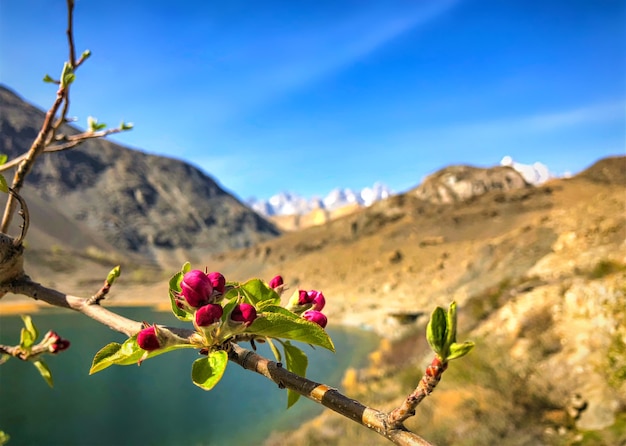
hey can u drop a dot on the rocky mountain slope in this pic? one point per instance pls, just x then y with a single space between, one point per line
539 274
133 202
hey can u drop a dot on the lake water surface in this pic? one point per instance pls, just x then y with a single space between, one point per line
155 404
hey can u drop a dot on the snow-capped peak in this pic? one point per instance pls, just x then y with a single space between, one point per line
287 203
536 173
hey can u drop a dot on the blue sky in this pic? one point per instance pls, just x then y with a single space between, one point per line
306 96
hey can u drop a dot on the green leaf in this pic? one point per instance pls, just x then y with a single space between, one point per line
296 362
126 125
174 285
274 350
436 331
280 310
207 372
128 353
114 353
233 291
94 125
4 438
256 291
43 369
4 186
29 333
48 78
277 325
186 268
451 324
86 55
68 79
3 159
458 350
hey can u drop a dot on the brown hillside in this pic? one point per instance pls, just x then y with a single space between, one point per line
539 274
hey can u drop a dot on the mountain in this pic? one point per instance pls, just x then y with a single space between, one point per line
288 203
104 195
539 276
455 184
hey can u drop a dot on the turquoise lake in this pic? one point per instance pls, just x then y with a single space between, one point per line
155 404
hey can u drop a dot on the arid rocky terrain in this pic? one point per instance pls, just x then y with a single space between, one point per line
539 275
540 278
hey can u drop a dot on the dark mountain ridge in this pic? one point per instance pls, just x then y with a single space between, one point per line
139 203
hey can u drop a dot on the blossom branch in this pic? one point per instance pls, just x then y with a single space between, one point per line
320 393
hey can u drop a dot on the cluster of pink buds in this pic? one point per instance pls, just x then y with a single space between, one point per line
309 304
55 342
201 297
316 298
201 294
199 289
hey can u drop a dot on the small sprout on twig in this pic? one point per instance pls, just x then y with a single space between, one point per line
28 350
47 78
86 55
94 125
441 335
67 75
113 274
102 292
126 125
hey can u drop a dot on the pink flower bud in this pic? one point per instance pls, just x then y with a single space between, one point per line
148 339
218 281
318 300
276 282
316 317
304 297
209 314
245 313
196 288
57 343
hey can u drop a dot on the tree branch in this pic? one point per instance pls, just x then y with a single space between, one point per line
70 142
320 393
27 163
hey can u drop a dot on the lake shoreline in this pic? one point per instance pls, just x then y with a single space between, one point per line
376 320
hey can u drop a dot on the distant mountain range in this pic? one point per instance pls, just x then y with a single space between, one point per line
288 203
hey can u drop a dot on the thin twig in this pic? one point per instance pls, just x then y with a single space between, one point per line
325 395
427 384
27 163
72 141
100 295
25 217
70 32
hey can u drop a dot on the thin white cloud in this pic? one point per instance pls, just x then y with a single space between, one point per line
266 70
320 52
544 122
